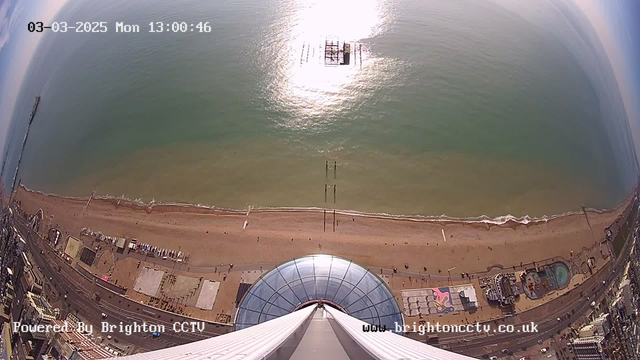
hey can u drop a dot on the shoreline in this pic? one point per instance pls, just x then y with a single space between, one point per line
486 221
212 236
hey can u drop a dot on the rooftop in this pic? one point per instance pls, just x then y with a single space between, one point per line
319 278
81 343
589 340
310 333
41 305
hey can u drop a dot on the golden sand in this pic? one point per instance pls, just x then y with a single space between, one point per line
212 237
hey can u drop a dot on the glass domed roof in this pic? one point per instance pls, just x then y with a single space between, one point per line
354 289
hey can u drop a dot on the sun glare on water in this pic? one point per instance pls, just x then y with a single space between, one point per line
304 83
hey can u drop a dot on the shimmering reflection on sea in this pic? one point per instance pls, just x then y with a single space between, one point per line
460 108
299 82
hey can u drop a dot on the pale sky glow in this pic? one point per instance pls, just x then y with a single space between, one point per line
592 9
22 45
8 21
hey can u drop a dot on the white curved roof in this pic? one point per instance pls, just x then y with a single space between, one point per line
387 345
351 287
261 341
256 342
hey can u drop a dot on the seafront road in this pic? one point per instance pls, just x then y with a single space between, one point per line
81 300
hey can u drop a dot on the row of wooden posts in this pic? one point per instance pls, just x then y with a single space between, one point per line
326 187
324 223
325 193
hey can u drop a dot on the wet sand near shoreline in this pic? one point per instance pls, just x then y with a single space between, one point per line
213 237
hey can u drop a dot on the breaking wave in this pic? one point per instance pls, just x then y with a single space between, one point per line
483 219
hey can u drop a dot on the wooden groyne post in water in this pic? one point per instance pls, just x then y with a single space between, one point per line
334 221
325 193
335 169
324 221
334 194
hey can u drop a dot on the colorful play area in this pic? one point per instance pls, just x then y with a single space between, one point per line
441 300
538 283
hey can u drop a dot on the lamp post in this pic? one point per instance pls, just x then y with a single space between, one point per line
449 270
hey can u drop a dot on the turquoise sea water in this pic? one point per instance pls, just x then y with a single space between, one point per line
460 108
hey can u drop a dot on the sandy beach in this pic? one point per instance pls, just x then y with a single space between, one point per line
212 237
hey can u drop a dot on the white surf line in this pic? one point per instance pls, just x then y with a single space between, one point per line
444 236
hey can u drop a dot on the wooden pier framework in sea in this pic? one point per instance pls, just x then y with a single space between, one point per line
335 51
